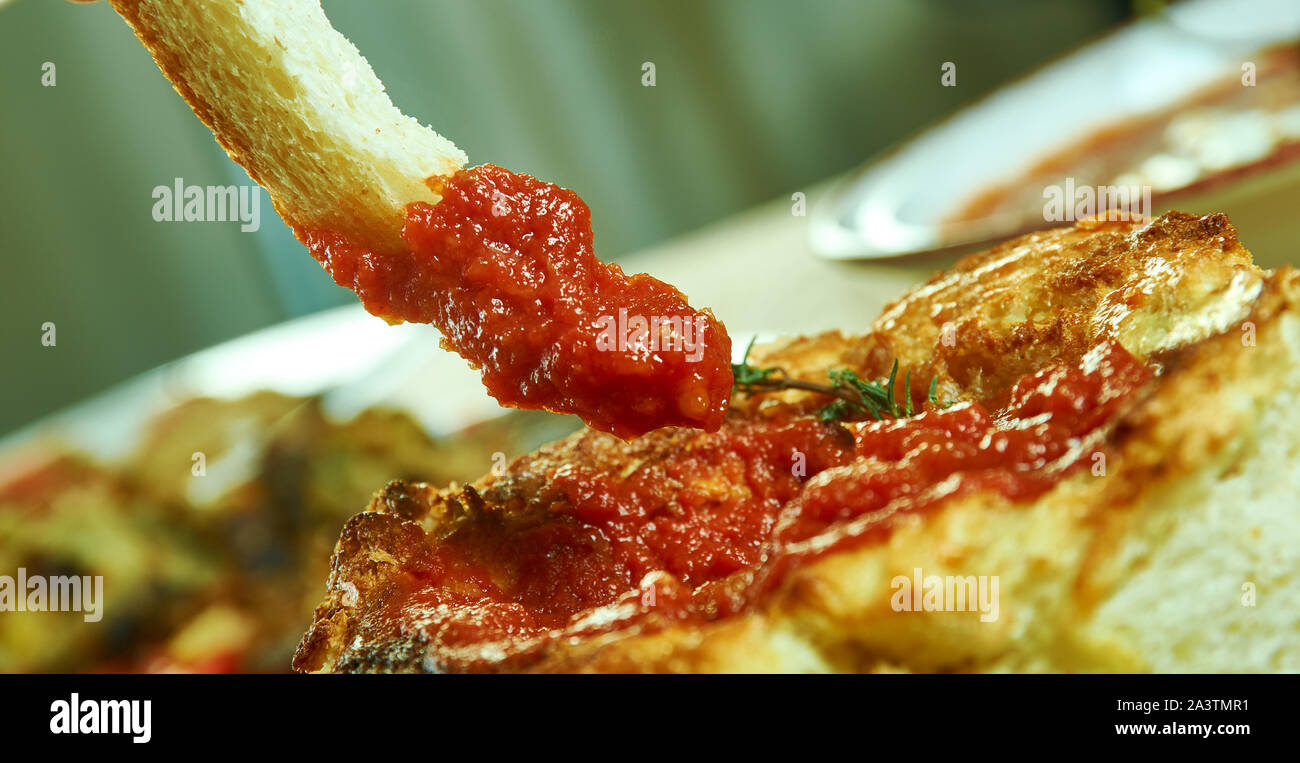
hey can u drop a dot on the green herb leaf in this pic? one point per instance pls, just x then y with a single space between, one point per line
744 375
855 398
907 384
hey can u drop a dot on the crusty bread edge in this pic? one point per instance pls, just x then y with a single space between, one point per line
295 104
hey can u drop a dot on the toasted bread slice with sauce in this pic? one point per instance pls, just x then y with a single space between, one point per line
1170 553
295 103
503 264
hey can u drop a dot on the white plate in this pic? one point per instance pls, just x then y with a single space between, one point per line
895 204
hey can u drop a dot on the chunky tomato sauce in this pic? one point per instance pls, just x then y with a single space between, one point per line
607 547
709 530
504 266
1052 423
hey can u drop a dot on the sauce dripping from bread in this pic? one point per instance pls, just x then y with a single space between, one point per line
504 266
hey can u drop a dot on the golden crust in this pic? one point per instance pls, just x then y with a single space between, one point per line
1045 298
1073 566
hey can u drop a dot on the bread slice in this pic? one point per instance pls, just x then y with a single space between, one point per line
1174 555
293 102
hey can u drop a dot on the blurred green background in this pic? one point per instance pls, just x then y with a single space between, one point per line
754 99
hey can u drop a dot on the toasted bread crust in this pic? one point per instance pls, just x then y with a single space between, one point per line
1046 298
1179 290
295 104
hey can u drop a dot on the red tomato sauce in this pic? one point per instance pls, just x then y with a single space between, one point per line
610 548
714 529
504 266
1053 422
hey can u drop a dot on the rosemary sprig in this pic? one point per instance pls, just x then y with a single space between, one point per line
855 398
